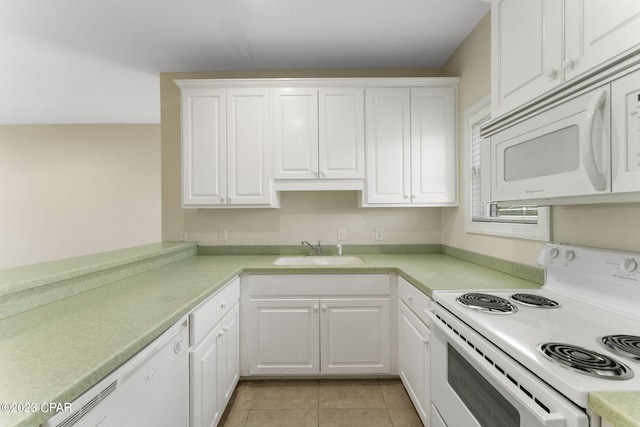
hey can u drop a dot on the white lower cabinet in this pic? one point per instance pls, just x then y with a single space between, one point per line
413 343
413 348
317 325
214 355
284 336
354 336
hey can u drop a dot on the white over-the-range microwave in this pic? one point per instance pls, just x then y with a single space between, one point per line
581 148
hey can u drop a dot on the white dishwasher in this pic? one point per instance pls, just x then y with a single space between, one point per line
150 389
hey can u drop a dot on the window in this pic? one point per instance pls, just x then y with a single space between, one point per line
527 222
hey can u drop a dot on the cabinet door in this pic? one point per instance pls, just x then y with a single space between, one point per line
596 31
229 356
433 145
204 359
526 51
283 336
355 336
341 133
249 144
413 360
204 152
296 133
388 146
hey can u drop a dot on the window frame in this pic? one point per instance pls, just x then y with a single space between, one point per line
541 230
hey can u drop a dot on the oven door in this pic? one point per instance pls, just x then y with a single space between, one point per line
561 152
475 384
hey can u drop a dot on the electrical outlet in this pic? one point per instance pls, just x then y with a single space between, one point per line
379 233
222 235
182 236
342 234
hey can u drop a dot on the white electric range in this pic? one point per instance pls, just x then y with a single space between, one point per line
531 357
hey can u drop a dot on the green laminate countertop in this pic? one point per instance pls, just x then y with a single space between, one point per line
55 352
622 409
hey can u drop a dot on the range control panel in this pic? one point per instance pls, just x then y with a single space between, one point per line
612 278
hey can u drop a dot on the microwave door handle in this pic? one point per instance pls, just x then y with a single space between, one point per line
596 176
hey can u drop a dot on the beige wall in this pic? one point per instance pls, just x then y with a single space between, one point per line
606 226
70 190
303 215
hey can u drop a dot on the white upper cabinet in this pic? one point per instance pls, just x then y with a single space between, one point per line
296 133
433 145
411 146
526 51
341 133
597 31
249 145
245 140
204 147
319 134
388 146
537 45
226 147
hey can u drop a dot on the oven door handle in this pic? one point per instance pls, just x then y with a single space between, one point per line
544 418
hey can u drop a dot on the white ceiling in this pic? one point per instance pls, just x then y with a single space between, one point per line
98 61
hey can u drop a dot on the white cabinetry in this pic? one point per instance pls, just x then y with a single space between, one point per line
214 355
526 51
413 348
411 146
296 133
597 31
226 146
283 336
354 335
316 324
537 45
319 135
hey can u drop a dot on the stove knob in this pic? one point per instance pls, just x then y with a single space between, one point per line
553 253
628 265
569 255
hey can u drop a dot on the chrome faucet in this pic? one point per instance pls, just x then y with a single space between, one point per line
317 250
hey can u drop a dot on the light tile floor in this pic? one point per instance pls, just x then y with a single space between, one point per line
325 403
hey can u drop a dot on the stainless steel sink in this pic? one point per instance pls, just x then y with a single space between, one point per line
319 260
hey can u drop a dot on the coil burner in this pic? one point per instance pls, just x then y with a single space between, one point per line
623 345
532 300
487 303
585 361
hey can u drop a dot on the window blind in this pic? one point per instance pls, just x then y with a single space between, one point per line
491 211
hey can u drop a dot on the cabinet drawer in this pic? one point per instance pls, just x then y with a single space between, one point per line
210 312
414 299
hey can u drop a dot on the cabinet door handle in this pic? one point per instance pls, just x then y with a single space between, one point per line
570 64
325 308
315 308
410 299
552 74
223 305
